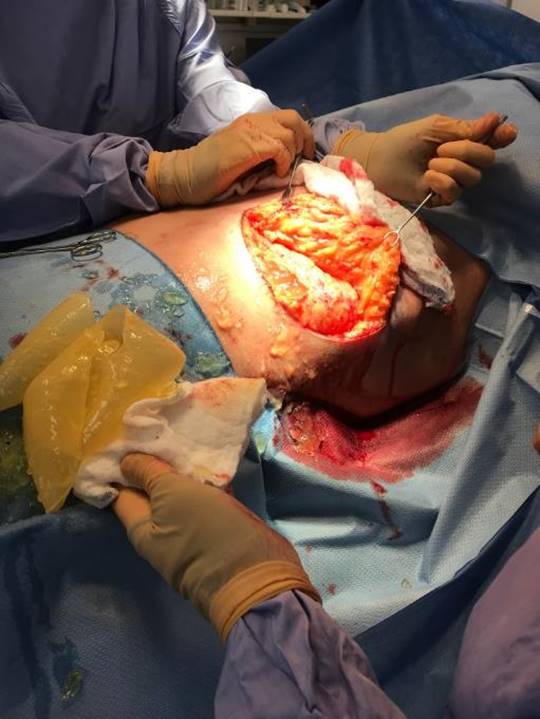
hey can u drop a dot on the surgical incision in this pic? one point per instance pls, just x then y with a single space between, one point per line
333 273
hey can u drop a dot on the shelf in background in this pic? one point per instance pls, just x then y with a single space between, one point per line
231 13
253 14
281 15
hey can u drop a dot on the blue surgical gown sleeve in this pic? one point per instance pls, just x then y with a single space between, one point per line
75 134
53 180
212 92
498 669
288 658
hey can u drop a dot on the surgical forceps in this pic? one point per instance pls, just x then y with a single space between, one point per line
85 250
397 233
305 113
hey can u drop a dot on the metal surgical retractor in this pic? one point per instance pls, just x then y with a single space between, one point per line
397 232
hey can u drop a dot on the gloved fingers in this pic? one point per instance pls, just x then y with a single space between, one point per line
472 153
162 490
487 130
444 186
464 174
140 535
132 507
286 137
305 142
482 128
441 128
269 148
143 470
503 136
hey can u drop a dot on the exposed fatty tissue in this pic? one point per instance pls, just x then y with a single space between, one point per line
333 274
326 260
421 268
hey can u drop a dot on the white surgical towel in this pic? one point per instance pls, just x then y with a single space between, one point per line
202 432
345 181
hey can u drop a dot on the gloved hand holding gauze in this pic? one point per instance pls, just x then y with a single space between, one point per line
206 545
201 430
77 378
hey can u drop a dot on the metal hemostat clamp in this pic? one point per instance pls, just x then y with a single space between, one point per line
85 250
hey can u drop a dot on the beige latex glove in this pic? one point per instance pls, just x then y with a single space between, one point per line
203 172
206 545
435 153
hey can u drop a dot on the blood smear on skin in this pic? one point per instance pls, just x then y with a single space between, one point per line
383 455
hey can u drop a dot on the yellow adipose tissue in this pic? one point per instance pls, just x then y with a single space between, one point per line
76 377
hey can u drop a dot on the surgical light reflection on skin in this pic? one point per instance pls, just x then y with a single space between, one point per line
244 266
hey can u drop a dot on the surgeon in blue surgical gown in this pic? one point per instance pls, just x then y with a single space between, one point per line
97 114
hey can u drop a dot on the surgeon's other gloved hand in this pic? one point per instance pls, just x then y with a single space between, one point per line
199 174
436 153
207 546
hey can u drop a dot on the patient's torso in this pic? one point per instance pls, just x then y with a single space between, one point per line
419 348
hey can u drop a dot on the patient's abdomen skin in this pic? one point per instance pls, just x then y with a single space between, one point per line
418 350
